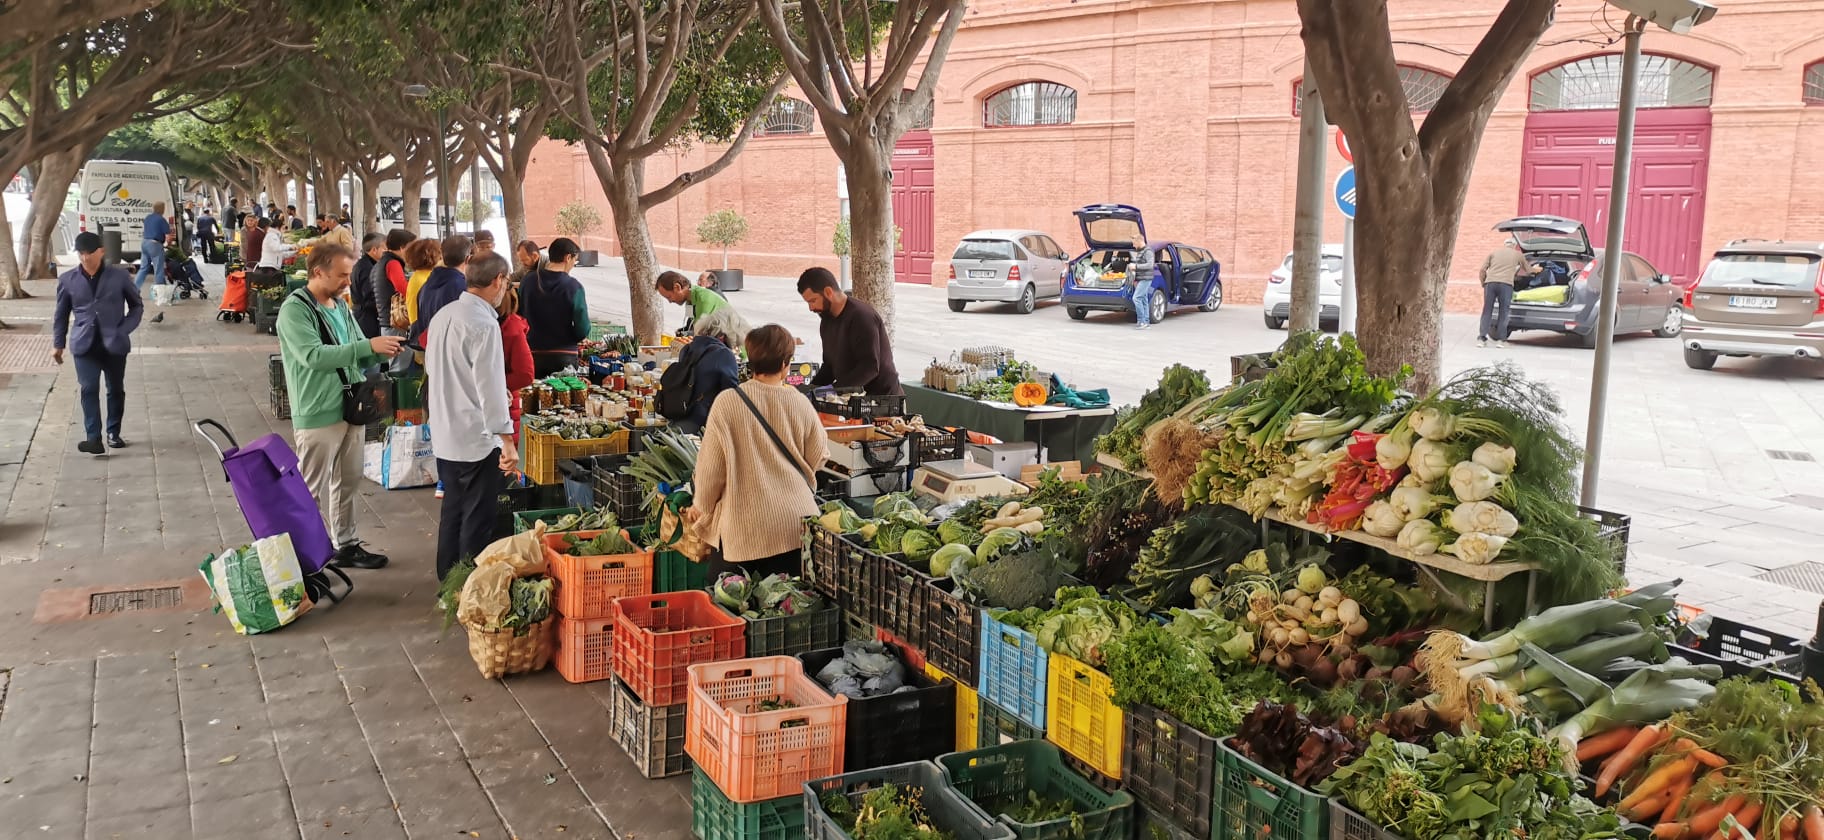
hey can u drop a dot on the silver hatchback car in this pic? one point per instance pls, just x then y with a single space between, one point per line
1006 266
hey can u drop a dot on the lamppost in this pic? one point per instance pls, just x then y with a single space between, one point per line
446 224
1673 16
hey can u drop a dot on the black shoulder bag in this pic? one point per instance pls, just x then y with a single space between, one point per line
364 402
789 460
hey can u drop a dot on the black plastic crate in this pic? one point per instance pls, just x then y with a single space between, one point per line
953 632
861 485
938 445
280 401
1741 644
653 736
856 405
822 554
512 500
1613 530
948 811
790 635
1171 768
896 597
376 431
275 371
894 728
618 492
999 726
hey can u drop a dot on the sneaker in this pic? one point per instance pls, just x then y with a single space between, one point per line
1499 343
91 446
439 490
115 442
1481 342
354 556
1141 326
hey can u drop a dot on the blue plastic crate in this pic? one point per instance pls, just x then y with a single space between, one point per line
1014 671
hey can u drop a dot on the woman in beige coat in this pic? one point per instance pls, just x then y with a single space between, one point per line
752 487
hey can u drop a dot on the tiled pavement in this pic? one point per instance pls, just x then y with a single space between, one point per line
363 721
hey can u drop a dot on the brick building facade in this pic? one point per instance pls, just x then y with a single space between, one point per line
1185 108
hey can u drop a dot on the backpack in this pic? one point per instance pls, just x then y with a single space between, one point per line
678 386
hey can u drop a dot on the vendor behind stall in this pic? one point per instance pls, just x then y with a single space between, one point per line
856 350
676 288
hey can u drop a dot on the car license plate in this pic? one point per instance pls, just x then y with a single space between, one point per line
982 274
1752 302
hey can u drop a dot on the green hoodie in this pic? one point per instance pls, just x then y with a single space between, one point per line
310 365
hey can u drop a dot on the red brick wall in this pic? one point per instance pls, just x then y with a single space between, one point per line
1184 108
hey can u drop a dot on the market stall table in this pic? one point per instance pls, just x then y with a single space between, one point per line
1070 433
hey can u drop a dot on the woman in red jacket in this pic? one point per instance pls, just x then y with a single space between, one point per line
518 353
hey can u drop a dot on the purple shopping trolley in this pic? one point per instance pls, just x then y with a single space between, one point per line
275 500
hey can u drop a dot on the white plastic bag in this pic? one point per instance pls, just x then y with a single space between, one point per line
163 294
404 459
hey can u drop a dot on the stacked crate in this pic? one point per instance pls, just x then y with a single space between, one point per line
654 639
586 591
758 730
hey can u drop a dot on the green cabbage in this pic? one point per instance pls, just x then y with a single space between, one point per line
918 544
998 541
886 538
946 561
888 505
953 531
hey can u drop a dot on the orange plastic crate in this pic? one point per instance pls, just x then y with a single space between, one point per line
657 637
585 649
587 586
753 755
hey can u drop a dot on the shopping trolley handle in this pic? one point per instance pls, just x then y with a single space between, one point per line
219 453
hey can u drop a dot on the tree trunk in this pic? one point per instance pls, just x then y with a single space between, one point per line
1308 219
369 211
411 191
636 250
329 189
12 284
55 175
300 192
870 178
1402 254
512 199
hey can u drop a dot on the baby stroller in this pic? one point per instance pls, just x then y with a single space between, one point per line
187 278
234 296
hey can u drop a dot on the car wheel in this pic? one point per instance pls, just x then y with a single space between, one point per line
1156 306
1214 302
1674 323
1077 313
1028 301
1699 359
957 305
1274 323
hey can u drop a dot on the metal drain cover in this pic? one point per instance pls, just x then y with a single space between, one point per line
128 600
1789 455
1806 576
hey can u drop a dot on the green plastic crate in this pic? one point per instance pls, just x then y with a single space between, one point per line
408 392
714 817
1257 803
1001 778
524 519
674 572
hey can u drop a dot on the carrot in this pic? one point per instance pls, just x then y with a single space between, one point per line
1812 824
1644 808
1657 783
1670 831
1705 823
1708 758
1623 761
1597 746
1789 826
1743 826
1675 800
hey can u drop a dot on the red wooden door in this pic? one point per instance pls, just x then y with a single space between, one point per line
1566 171
914 207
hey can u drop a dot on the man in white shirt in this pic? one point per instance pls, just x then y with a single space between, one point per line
467 408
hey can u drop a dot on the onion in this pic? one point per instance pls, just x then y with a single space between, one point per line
1299 636
1348 611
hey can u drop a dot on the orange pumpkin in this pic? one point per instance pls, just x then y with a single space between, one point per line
1028 394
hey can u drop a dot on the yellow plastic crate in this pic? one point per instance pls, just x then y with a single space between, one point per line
1080 715
968 709
540 452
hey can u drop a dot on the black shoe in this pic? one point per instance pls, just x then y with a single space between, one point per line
91 446
353 556
114 442
158 318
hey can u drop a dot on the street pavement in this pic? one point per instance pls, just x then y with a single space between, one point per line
366 720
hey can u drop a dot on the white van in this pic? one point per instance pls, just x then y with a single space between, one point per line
117 195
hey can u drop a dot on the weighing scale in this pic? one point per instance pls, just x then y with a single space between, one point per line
961 479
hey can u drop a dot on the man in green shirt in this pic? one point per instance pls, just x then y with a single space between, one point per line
329 448
677 288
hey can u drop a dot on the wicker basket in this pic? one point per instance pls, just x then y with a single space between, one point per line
498 653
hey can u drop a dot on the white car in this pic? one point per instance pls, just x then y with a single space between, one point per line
1276 301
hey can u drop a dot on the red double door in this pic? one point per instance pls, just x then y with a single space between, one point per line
914 207
1567 169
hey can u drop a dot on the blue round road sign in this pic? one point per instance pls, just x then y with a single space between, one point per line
1345 192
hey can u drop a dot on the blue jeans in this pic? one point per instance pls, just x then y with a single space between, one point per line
151 261
1496 295
90 370
1143 302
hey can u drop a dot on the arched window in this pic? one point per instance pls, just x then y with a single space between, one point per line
1814 83
1594 84
1423 87
788 116
1030 103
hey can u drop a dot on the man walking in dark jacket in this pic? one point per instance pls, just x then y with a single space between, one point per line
856 350
205 233
107 309
361 285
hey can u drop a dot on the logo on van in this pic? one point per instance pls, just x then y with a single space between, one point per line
114 188
116 196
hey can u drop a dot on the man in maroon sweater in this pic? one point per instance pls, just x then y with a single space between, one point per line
856 350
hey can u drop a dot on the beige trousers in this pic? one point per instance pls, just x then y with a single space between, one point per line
330 458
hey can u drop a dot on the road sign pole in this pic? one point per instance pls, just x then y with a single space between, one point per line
1345 315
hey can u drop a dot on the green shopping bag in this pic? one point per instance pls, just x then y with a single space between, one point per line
260 586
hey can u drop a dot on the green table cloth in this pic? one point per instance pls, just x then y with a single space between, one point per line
1065 435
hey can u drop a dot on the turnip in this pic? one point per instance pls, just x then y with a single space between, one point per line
1348 611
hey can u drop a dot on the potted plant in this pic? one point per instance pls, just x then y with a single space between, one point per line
576 220
724 227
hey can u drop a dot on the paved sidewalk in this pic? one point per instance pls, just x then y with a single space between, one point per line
362 720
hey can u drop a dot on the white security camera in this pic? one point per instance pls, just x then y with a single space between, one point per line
1673 15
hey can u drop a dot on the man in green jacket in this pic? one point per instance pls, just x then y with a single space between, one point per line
329 448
